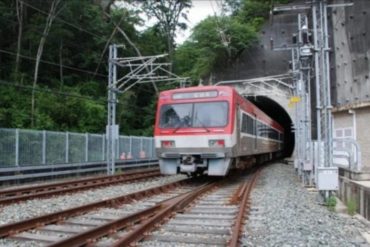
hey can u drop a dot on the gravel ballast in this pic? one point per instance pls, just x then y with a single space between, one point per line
285 213
37 207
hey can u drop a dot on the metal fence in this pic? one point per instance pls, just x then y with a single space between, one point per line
19 148
347 154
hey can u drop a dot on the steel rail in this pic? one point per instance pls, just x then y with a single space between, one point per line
21 194
14 228
7 192
148 217
168 207
243 197
87 237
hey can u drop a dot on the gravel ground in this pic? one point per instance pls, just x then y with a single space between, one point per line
36 207
284 213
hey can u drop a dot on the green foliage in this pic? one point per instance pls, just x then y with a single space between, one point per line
331 202
71 89
351 206
68 94
167 13
217 41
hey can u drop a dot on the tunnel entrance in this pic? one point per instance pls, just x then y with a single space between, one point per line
279 114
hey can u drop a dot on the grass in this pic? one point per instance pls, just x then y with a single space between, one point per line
331 202
351 207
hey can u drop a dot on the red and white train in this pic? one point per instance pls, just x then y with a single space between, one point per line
211 129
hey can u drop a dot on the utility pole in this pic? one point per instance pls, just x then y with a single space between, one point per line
301 52
143 69
302 61
112 132
316 46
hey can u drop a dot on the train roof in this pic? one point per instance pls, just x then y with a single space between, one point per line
199 88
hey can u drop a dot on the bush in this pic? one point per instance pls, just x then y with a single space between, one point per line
351 207
331 202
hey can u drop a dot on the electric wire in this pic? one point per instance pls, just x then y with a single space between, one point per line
49 91
63 21
52 63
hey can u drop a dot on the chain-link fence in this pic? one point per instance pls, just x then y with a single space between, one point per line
20 148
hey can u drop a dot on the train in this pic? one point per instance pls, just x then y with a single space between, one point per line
209 130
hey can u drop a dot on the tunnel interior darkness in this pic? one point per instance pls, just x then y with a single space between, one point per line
278 113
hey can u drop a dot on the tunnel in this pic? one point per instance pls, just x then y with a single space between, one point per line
279 114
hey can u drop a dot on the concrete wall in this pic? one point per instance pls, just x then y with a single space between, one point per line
363 135
342 120
359 122
357 192
260 60
350 66
351 46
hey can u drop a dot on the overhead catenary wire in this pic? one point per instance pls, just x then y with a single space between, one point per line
49 91
63 21
58 64
52 63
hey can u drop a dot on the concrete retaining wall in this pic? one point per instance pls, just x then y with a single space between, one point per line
358 192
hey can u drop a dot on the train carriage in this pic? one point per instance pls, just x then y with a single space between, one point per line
211 129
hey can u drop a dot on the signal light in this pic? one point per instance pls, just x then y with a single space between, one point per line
217 143
167 144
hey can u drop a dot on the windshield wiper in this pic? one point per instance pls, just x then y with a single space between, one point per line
202 124
185 122
177 128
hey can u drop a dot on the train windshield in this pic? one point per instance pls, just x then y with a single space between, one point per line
194 115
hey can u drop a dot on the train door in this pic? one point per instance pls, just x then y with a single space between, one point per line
238 128
255 131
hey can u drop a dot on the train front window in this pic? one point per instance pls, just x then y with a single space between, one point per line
195 115
212 114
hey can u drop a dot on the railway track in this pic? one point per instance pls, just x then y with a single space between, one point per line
9 196
210 212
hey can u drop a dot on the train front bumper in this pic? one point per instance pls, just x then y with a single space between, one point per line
213 164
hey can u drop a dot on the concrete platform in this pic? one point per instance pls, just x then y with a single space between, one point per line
363 183
364 175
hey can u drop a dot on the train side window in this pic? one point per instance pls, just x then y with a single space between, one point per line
244 124
250 125
260 128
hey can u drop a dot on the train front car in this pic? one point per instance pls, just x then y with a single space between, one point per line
194 130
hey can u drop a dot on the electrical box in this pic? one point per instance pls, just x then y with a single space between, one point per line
115 131
307 165
327 178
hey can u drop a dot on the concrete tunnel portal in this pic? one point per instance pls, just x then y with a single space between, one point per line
279 114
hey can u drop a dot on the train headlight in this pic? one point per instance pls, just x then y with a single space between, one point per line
167 144
217 143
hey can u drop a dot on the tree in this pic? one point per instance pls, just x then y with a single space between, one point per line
19 7
49 21
167 13
214 43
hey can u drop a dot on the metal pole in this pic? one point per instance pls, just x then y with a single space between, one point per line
131 147
86 147
44 147
112 128
17 147
103 146
67 147
328 105
113 119
109 121
324 117
317 80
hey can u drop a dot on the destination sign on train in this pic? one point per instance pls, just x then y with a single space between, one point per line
192 95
